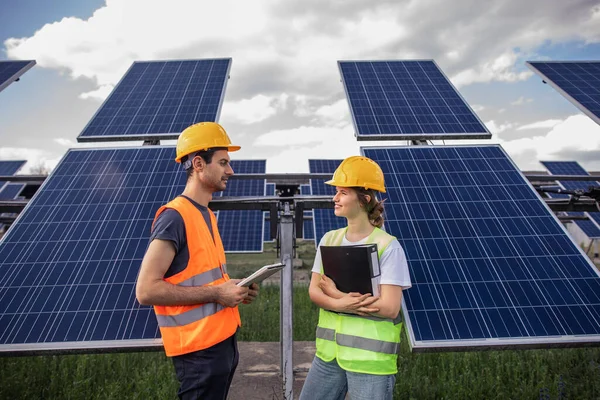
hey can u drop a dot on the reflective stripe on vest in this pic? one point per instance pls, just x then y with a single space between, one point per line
203 278
359 344
190 316
185 329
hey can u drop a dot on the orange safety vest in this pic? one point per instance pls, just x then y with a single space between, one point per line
185 329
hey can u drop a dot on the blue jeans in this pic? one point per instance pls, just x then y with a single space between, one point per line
328 381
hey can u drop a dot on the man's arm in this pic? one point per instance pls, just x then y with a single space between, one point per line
151 289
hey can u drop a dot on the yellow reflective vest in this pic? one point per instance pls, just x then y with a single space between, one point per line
366 345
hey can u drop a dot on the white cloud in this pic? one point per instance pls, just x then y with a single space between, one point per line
549 123
502 69
65 142
296 146
520 101
99 94
577 133
496 128
256 109
292 48
477 107
33 157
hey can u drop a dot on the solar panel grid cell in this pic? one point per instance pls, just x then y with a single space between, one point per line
10 167
578 81
269 191
160 99
11 191
308 230
324 219
71 259
243 230
10 71
488 260
406 99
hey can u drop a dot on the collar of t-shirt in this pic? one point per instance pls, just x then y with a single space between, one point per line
346 242
205 214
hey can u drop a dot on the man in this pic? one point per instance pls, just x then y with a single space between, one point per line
183 273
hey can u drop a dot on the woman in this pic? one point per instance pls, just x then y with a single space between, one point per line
357 351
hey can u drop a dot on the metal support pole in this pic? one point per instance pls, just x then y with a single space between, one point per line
286 301
587 252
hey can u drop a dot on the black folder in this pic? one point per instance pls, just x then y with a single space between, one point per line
352 268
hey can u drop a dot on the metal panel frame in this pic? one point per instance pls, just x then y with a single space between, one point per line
18 74
496 343
410 136
155 136
550 82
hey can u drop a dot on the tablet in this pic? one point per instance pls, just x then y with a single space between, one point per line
261 274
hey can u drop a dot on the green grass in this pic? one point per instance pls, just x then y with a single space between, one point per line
524 374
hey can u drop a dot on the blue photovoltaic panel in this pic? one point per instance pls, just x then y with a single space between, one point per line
391 100
324 219
308 230
242 230
159 99
70 261
490 264
8 168
589 227
578 81
270 190
11 191
10 71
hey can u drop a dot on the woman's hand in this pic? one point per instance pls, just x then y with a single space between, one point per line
356 303
328 287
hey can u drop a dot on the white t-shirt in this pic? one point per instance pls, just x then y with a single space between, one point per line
393 265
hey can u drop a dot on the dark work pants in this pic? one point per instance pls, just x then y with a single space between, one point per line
207 374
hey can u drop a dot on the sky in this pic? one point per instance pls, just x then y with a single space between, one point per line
284 100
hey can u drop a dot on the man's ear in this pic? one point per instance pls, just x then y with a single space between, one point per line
198 163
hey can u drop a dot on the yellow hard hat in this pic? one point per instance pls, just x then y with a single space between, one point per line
202 136
357 171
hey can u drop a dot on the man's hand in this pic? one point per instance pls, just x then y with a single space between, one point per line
252 293
230 294
356 303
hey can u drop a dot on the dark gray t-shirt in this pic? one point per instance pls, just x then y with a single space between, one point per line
169 226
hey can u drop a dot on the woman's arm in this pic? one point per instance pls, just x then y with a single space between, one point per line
389 302
354 303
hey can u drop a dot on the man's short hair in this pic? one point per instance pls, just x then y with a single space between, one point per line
207 156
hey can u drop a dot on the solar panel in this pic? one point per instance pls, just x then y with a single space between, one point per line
308 229
391 100
70 261
10 71
8 168
242 231
11 191
324 219
159 99
491 266
270 190
589 227
578 81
